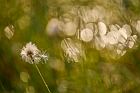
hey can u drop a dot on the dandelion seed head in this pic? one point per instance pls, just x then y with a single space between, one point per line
44 57
30 53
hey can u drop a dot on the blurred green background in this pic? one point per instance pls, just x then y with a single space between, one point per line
96 74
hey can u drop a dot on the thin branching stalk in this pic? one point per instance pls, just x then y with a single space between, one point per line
42 78
41 75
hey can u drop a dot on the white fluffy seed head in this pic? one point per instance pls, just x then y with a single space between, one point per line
31 54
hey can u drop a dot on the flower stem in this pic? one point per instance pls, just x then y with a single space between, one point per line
42 78
40 74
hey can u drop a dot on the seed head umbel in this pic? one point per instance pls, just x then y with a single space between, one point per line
31 54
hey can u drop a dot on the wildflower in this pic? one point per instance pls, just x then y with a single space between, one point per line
44 56
31 54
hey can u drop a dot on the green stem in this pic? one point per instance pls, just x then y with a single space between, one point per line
40 73
42 78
